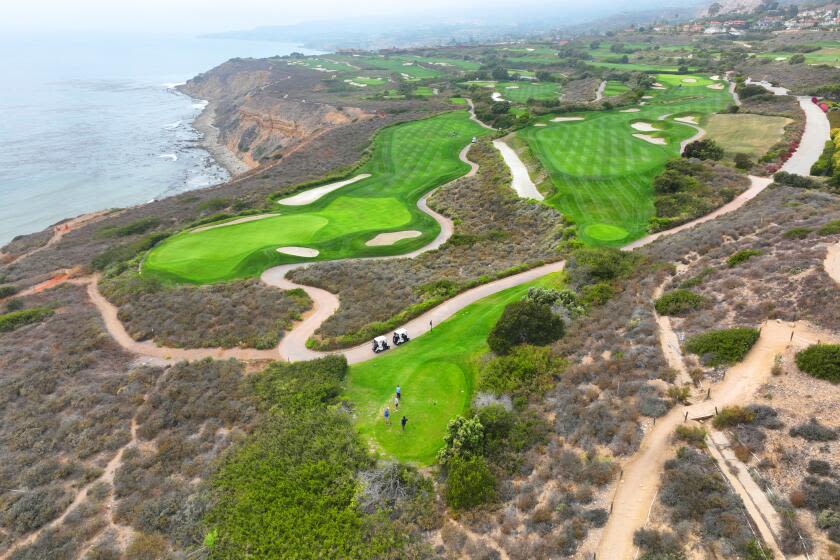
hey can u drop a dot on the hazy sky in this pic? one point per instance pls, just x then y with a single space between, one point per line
216 15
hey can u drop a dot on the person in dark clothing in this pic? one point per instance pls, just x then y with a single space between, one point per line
399 393
403 422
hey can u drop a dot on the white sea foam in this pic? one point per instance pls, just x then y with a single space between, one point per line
171 157
173 85
201 104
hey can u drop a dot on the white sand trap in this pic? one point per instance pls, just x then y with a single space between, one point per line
311 195
780 58
651 139
658 87
566 119
393 237
687 120
647 97
541 124
644 127
715 77
511 87
298 251
631 110
234 222
715 86
497 96
657 84
520 179
689 80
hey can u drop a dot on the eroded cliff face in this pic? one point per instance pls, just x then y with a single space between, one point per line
265 110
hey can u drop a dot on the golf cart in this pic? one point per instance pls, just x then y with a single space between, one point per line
380 344
400 336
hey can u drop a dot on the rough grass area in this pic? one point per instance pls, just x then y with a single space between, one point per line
242 313
747 134
407 161
436 375
494 231
602 174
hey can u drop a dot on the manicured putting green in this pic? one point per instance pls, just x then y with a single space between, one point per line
408 161
436 374
602 174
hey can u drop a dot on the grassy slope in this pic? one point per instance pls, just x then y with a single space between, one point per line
436 374
615 88
408 161
744 133
520 92
602 174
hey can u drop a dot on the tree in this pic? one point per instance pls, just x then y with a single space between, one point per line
673 181
796 59
464 437
499 73
743 161
469 483
704 149
525 322
715 9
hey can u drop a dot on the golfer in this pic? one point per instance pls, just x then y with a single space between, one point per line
396 403
404 421
399 395
387 415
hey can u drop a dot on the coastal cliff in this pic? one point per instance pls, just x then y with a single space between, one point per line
258 114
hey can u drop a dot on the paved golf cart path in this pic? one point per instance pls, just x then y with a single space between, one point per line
640 482
599 93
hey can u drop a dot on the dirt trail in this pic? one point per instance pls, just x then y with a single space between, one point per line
816 134
520 181
669 341
62 229
599 93
832 262
473 117
640 483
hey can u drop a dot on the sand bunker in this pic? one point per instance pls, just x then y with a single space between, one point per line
687 120
311 195
566 119
658 87
715 77
393 237
511 87
644 127
497 96
633 110
540 124
651 139
298 251
234 222
689 80
647 97
715 86
657 84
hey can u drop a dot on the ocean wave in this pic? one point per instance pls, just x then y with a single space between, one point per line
172 157
173 126
200 104
173 85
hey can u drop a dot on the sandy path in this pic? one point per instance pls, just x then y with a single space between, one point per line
311 195
758 506
521 180
814 137
758 184
473 118
669 341
62 229
832 262
637 489
599 93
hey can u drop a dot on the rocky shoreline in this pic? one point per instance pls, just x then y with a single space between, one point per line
203 123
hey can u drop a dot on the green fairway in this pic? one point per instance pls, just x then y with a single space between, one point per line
408 161
366 81
408 68
521 92
436 374
602 174
321 64
615 88
829 54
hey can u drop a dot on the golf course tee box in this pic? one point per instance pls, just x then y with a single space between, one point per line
408 161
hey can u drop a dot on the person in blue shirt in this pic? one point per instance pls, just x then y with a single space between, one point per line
399 394
387 415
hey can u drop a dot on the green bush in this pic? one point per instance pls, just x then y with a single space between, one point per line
741 256
17 319
821 361
794 180
527 368
703 149
7 290
525 322
469 483
597 294
732 416
693 435
831 228
590 265
797 233
697 279
678 302
464 437
743 161
722 347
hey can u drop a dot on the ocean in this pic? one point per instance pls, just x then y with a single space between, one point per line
89 122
